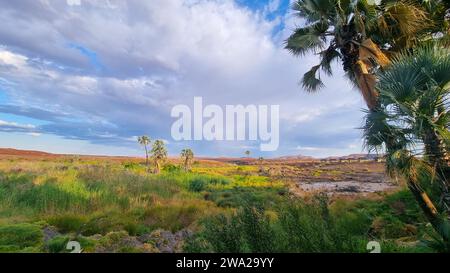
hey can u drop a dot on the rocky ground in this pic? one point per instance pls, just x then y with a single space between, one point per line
158 241
342 178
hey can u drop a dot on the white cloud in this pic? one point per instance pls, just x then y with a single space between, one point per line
273 5
9 58
73 2
133 60
16 125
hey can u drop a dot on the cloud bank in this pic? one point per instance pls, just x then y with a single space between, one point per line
105 72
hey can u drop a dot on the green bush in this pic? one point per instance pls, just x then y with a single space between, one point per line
58 244
67 222
241 196
247 231
219 180
132 165
136 229
198 184
312 228
171 168
297 227
20 236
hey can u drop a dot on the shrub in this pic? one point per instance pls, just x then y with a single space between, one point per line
20 236
175 217
311 228
198 184
67 222
240 196
219 180
57 244
171 168
295 227
132 165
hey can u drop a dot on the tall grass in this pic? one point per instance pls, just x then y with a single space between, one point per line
100 198
231 208
294 227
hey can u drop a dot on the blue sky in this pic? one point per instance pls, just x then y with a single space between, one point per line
89 76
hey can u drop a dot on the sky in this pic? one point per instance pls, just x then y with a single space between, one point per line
88 77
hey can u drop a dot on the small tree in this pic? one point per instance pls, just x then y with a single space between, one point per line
187 155
260 164
247 153
159 154
145 141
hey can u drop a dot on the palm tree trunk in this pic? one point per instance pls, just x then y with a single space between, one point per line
434 149
428 209
438 158
157 166
146 157
366 83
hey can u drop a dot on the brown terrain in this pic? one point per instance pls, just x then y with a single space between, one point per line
349 175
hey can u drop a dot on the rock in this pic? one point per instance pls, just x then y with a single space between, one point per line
114 242
166 241
95 237
50 233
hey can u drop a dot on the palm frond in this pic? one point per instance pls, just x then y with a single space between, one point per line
307 39
309 80
328 56
313 10
403 21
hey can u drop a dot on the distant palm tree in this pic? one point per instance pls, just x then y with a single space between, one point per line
247 153
145 141
159 154
187 155
260 163
360 33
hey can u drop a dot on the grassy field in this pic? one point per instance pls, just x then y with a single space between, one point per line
115 205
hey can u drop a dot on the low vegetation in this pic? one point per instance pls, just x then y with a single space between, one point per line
117 206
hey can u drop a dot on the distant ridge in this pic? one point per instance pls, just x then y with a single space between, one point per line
18 152
296 157
11 151
354 157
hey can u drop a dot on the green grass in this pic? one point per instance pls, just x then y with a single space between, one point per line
296 226
229 208
20 237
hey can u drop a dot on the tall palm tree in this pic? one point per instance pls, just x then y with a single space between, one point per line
247 153
187 155
412 123
145 141
360 33
159 154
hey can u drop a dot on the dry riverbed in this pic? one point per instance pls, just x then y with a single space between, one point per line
334 178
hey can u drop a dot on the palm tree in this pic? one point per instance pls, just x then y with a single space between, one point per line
260 163
159 154
247 153
439 11
145 141
412 124
361 34
187 155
